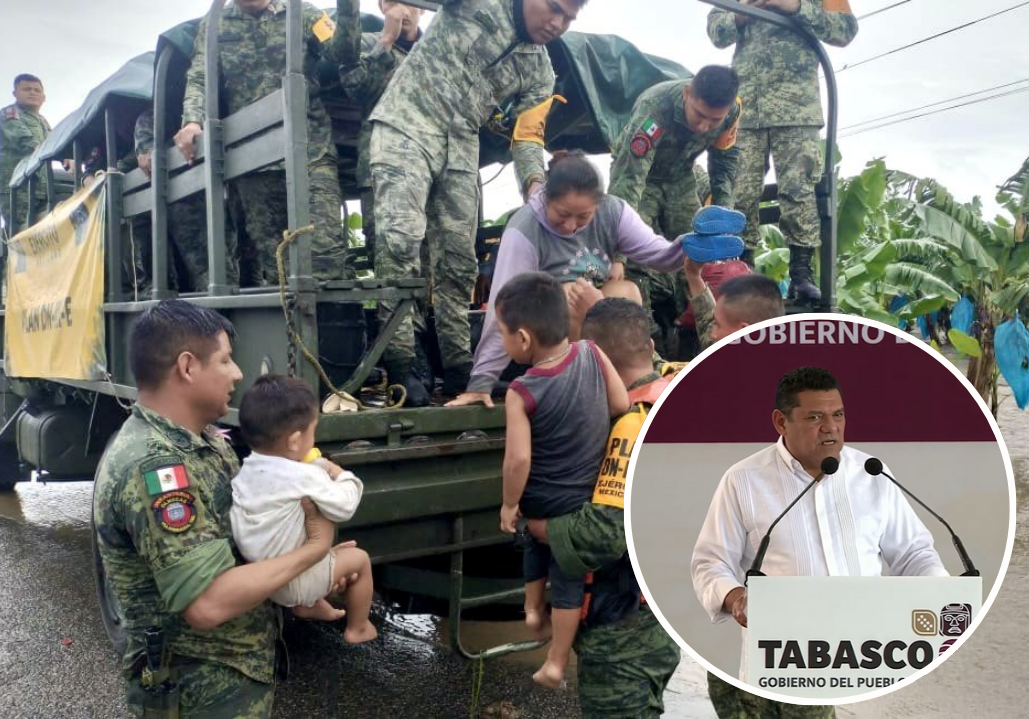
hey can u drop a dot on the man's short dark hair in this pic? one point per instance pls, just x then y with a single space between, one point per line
751 298
25 77
275 407
620 328
803 379
716 85
165 331
534 301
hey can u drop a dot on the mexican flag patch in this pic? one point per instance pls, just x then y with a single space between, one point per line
166 479
652 130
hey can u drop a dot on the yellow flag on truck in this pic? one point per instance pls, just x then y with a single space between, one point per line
54 316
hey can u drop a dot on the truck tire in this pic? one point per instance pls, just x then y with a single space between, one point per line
10 467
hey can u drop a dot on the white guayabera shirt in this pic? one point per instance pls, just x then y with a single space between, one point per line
845 526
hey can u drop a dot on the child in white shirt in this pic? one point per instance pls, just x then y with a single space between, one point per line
278 417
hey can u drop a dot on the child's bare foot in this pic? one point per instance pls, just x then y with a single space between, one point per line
322 611
538 622
362 633
551 675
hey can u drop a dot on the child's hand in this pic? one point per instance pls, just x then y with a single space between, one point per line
509 515
329 466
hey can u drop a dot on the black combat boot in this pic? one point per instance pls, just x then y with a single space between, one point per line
803 289
455 379
408 378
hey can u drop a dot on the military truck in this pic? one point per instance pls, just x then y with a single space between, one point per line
432 475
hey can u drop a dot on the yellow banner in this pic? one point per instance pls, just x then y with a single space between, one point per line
54 319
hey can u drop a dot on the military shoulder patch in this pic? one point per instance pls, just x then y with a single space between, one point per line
324 28
166 478
175 511
640 145
11 112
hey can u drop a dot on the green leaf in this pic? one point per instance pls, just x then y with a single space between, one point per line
965 344
922 306
862 196
774 263
946 229
915 278
1010 298
935 345
355 221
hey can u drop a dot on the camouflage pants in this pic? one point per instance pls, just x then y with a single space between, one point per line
212 691
262 199
419 199
797 157
733 703
187 249
625 667
668 208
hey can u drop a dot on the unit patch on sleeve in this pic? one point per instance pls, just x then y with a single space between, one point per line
175 511
640 145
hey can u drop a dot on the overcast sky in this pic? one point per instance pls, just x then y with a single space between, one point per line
73 45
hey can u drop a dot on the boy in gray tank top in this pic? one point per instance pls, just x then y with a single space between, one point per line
558 418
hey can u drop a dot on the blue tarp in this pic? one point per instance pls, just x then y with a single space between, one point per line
963 315
1011 344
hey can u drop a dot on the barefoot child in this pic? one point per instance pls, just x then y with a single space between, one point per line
278 417
558 417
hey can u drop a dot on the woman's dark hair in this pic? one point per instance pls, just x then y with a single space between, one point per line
571 171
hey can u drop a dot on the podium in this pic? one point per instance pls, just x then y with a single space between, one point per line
826 637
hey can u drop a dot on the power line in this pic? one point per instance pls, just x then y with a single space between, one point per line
932 37
936 112
884 9
933 104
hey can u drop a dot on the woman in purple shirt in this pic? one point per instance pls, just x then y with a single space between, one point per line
571 230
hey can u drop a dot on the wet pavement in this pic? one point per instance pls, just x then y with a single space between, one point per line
55 659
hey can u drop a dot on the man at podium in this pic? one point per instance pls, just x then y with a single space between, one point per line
846 525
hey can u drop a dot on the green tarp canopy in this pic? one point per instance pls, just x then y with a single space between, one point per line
600 76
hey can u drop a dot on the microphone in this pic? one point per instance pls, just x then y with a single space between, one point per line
829 466
875 467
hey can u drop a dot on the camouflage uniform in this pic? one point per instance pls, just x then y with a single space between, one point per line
653 170
187 228
21 132
252 52
365 70
626 658
733 703
425 158
779 79
162 547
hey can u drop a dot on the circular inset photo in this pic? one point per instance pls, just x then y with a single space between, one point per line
821 510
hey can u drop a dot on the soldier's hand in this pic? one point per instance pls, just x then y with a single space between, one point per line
467 398
394 25
617 272
321 531
185 139
144 162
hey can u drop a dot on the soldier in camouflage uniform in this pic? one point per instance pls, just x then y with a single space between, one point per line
625 656
367 61
779 79
161 511
475 55
252 53
22 129
733 703
672 123
187 225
